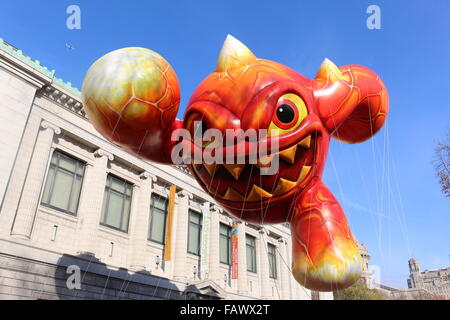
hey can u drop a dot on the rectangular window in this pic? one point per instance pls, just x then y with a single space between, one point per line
63 187
250 244
157 228
116 204
225 244
194 232
271 249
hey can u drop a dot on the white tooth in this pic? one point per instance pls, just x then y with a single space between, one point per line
289 154
283 186
306 143
233 195
264 162
211 168
234 169
303 173
258 194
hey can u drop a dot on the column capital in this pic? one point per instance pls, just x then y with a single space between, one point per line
51 126
216 208
147 175
206 202
102 153
263 231
185 193
282 240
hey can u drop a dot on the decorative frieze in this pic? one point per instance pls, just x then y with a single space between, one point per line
63 100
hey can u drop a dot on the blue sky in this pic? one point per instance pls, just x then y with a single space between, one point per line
386 185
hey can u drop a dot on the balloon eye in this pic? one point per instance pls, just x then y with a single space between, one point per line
289 114
285 113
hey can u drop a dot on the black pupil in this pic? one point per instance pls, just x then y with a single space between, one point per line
285 113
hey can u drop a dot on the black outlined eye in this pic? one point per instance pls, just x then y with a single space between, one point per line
289 114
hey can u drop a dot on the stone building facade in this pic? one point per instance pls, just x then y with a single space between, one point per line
79 216
422 285
434 282
366 276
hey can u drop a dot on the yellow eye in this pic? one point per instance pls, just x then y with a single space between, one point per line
290 112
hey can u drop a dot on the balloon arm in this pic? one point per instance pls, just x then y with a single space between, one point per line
352 102
325 255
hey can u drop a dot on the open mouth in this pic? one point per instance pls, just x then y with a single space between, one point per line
246 183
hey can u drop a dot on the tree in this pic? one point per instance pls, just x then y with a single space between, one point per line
359 292
442 164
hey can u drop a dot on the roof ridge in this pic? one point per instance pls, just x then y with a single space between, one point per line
36 65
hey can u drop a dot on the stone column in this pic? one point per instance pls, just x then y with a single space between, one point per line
91 203
214 253
139 232
180 251
266 291
242 263
29 201
284 269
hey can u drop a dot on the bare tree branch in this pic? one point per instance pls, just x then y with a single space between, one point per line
441 163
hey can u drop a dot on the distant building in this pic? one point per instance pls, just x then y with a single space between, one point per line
436 282
366 276
71 200
421 285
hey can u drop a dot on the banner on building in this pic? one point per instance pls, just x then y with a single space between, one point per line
169 223
234 252
204 247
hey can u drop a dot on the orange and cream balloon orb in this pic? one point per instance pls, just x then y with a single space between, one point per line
127 90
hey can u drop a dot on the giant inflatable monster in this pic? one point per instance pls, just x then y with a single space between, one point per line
132 96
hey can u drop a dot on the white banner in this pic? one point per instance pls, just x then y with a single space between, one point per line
204 248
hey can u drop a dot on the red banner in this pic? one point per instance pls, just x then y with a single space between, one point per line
234 252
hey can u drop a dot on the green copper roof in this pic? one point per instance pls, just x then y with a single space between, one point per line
36 65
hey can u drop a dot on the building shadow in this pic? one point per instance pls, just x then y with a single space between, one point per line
204 290
86 277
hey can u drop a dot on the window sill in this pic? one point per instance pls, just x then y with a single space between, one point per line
193 254
58 214
156 245
113 232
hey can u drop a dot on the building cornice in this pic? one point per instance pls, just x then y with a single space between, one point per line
32 71
63 99
18 54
